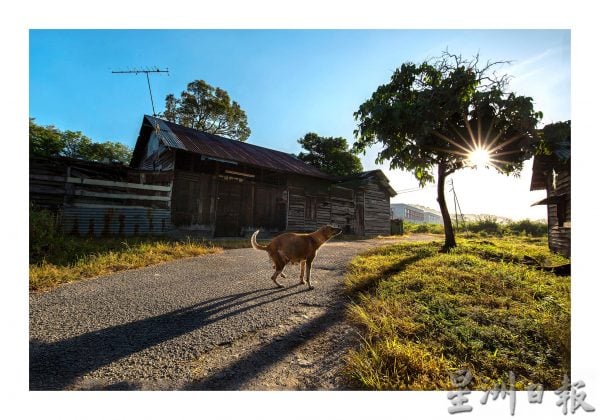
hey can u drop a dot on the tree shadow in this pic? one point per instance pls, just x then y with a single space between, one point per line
238 373
371 282
56 365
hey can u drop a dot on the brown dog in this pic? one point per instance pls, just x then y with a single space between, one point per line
295 248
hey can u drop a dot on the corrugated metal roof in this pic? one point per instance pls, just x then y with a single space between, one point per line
210 145
385 182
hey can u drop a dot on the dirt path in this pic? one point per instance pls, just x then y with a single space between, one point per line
211 322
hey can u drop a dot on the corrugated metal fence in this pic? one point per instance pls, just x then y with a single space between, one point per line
115 221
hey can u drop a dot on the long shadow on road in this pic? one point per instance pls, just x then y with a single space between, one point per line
56 365
238 373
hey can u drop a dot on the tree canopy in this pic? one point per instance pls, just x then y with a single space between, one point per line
45 141
443 112
50 141
555 138
329 154
208 109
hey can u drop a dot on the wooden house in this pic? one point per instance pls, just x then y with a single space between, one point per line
553 173
223 187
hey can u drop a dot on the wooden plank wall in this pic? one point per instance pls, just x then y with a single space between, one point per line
377 209
268 207
338 205
342 208
559 237
296 208
193 202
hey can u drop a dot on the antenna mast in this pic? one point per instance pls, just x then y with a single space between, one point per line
147 72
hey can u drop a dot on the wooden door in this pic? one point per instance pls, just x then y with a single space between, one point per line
229 204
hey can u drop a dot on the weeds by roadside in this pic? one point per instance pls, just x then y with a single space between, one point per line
55 258
80 258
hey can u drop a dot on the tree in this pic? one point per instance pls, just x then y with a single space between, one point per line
44 141
329 154
50 141
208 109
79 146
450 113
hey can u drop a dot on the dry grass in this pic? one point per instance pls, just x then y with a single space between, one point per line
79 258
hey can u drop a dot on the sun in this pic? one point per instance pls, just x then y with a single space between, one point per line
479 157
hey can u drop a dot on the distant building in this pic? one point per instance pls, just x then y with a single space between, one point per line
414 213
431 217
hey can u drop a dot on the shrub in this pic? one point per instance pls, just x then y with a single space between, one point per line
423 227
528 227
487 224
44 232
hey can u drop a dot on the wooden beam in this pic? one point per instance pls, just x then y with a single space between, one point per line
47 178
121 196
100 182
88 181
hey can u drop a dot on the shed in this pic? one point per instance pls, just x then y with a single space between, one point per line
224 187
552 172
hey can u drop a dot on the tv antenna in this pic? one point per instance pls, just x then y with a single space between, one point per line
147 72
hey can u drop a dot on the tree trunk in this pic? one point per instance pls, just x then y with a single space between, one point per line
450 242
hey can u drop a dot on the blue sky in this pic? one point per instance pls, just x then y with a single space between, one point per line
289 82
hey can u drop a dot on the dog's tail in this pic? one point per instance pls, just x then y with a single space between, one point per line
255 245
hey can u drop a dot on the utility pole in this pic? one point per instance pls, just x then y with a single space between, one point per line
147 72
456 205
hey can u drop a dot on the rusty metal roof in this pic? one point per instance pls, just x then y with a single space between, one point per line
210 145
378 173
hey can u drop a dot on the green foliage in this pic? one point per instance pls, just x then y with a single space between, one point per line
329 154
424 314
435 112
555 137
411 227
44 141
527 227
50 141
489 225
206 108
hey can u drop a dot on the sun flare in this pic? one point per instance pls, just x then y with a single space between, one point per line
479 157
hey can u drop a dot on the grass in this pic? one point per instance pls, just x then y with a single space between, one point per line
68 259
424 314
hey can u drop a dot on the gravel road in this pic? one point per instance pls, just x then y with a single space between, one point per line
209 322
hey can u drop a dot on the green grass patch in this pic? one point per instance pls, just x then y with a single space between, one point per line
66 259
483 307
